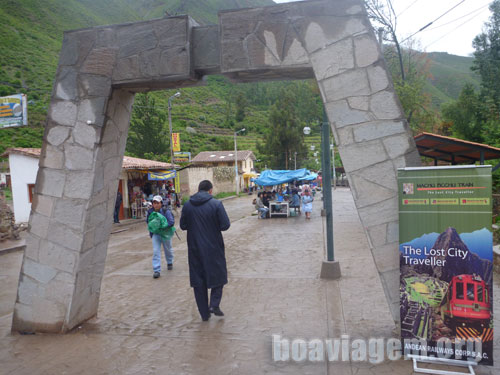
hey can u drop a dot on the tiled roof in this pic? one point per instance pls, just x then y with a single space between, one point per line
128 161
221 156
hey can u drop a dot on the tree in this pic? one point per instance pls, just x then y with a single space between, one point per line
147 128
487 56
284 137
241 104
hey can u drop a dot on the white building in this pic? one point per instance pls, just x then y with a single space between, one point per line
23 164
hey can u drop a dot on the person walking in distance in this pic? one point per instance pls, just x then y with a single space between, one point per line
118 203
204 218
157 239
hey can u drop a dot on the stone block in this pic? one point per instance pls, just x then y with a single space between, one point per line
387 257
106 37
385 106
321 32
175 61
98 179
102 231
127 69
344 136
100 61
66 84
149 63
69 50
411 159
378 78
58 257
398 145
393 232
86 42
69 212
99 197
390 281
295 54
37 271
88 240
96 216
351 83
368 192
110 132
28 288
357 156
63 112
333 59
50 182
377 234
92 110
50 313
32 246
57 135
342 115
52 157
172 31
112 169
39 224
136 38
359 102
64 236
377 129
79 185
383 174
366 50
100 253
42 205
60 289
379 213
78 158
94 85
85 135
109 150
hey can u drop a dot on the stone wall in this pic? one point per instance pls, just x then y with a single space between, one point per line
191 177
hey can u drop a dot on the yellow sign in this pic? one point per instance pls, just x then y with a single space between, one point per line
417 202
176 142
446 201
474 201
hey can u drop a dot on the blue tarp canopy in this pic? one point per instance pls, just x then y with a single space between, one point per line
278 177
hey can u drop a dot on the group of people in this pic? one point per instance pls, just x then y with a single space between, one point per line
204 218
303 200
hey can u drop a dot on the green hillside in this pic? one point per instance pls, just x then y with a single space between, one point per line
205 116
449 73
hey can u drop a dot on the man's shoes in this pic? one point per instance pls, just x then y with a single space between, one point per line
156 275
206 319
216 311
170 266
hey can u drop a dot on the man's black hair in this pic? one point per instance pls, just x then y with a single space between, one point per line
205 185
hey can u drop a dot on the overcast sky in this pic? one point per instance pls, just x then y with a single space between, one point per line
453 33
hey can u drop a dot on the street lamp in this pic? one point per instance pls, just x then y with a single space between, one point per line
330 269
236 161
176 95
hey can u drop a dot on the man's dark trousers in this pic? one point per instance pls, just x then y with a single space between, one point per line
201 296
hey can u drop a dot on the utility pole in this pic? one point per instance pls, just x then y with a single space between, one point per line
236 178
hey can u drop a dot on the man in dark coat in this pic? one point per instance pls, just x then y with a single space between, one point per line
204 218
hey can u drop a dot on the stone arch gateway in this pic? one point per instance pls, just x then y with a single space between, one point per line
101 68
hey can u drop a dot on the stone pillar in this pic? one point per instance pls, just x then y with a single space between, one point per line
368 124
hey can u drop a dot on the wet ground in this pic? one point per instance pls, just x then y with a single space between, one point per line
152 326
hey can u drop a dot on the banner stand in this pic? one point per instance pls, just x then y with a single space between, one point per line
441 361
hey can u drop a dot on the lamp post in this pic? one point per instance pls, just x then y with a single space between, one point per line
295 159
176 95
330 269
236 161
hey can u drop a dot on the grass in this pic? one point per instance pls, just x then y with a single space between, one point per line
8 194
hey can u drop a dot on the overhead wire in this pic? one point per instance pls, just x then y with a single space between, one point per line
408 7
463 23
459 18
430 23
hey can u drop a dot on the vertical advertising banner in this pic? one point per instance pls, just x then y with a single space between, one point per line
176 142
13 111
446 262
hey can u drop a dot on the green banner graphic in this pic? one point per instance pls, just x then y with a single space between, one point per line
446 261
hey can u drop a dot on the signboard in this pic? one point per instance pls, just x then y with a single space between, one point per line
13 111
176 142
182 157
446 262
161 175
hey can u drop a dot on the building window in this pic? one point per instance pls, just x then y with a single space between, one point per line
31 191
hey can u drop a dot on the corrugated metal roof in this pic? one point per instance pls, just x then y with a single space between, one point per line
221 156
